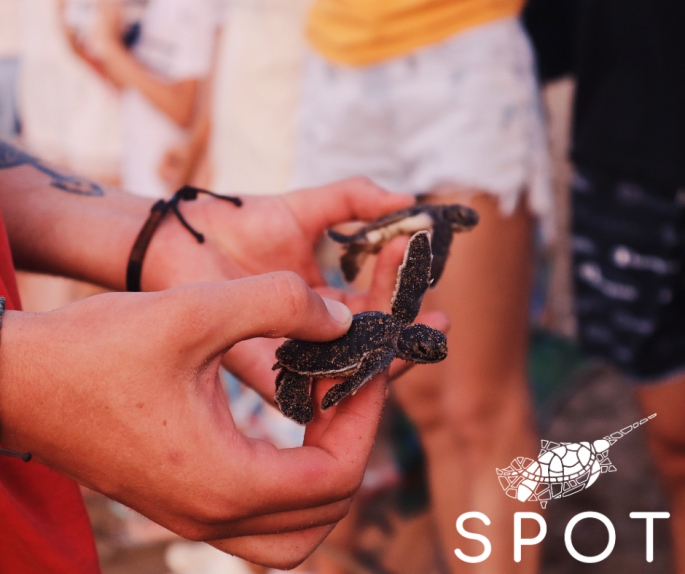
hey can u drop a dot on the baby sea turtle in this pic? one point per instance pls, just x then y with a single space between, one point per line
368 348
441 220
561 469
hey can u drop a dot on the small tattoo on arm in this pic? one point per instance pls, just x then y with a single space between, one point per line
10 156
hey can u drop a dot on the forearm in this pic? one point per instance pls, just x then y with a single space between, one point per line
176 100
61 224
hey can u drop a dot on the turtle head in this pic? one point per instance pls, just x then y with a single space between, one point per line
460 217
421 344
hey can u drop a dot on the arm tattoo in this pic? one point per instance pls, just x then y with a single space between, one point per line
10 156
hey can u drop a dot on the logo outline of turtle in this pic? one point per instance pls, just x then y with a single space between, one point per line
561 468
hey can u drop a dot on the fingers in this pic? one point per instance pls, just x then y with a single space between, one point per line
277 522
317 476
352 431
252 361
331 465
317 427
279 551
329 292
357 199
217 315
212 525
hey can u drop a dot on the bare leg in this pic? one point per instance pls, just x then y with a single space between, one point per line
472 410
666 435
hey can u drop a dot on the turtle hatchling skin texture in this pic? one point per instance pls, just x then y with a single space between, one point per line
441 220
367 349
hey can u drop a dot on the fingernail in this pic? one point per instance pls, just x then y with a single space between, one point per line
338 311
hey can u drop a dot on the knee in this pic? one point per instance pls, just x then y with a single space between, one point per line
470 415
481 419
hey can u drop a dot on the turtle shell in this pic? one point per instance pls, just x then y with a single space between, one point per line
561 469
369 330
568 461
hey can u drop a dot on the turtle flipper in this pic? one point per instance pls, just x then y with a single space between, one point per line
373 364
385 221
353 259
341 237
413 278
292 396
440 245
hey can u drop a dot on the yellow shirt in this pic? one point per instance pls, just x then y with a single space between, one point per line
359 32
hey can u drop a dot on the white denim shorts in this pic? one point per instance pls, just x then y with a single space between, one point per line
465 111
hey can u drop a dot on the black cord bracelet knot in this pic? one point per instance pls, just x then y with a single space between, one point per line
157 213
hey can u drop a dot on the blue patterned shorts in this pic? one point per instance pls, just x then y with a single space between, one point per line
628 254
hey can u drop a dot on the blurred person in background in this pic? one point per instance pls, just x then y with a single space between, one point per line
248 123
257 92
441 98
69 115
628 199
10 44
187 163
159 64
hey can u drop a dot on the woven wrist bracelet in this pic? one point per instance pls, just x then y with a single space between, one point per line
25 456
157 213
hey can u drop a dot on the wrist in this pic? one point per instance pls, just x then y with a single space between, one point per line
170 244
174 256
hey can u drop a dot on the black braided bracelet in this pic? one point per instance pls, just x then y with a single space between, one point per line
25 456
157 213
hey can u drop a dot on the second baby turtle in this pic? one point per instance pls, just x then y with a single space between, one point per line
441 220
367 349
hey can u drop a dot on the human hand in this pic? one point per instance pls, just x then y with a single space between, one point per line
267 233
121 393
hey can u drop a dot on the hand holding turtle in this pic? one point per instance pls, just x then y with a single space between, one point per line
121 393
252 361
367 349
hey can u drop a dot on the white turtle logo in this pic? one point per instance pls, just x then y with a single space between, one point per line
561 469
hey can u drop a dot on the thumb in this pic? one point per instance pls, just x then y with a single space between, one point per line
218 315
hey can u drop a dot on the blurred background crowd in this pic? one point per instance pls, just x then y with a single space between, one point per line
482 102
